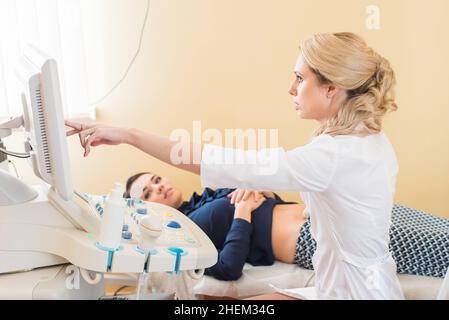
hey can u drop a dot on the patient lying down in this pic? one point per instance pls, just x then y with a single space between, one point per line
263 229
254 231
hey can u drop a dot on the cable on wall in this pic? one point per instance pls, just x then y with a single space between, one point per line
119 82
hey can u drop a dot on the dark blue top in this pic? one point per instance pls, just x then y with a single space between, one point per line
236 240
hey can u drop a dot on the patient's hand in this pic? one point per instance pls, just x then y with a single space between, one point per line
238 194
244 208
252 203
243 194
268 194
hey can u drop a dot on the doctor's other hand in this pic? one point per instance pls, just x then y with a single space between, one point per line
94 134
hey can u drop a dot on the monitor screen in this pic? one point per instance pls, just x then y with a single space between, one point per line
44 121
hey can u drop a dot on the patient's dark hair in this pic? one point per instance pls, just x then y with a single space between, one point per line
130 182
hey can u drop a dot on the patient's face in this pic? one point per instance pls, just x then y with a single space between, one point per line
309 95
160 190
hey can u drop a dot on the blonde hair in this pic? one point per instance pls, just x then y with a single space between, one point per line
345 60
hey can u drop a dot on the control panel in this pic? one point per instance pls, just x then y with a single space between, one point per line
159 230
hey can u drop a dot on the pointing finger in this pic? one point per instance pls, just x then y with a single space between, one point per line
84 134
89 141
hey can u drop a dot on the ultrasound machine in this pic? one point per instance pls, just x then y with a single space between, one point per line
49 233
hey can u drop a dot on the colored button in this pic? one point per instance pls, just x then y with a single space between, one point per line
190 240
176 250
168 214
174 225
142 211
127 235
139 250
99 208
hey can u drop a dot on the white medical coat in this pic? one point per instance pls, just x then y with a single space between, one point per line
347 184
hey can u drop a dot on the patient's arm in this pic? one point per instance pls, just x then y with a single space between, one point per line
232 257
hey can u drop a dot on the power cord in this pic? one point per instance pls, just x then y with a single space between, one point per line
15 154
119 289
132 60
15 168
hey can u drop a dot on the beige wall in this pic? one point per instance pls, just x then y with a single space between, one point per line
229 63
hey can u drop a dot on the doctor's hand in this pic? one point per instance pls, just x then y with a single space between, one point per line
92 135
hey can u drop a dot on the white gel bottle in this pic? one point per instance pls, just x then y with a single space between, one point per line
112 219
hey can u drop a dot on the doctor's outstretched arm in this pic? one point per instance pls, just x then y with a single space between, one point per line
307 168
92 135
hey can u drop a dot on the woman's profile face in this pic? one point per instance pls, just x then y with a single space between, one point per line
309 95
160 190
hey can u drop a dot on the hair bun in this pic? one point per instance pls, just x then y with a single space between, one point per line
345 60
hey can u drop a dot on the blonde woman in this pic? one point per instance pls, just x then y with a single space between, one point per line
346 174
